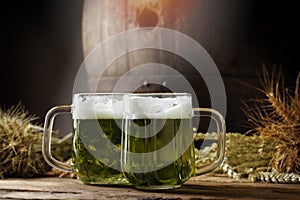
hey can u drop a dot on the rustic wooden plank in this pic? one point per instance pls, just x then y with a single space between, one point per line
204 187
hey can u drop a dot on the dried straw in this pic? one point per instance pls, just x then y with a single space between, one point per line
20 150
246 157
21 145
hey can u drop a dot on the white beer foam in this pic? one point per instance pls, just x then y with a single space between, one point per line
160 108
97 107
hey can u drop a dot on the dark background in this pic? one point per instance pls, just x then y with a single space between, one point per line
41 50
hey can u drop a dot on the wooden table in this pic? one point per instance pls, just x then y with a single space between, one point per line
212 186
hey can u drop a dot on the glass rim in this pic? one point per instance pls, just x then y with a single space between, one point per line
99 93
160 94
169 94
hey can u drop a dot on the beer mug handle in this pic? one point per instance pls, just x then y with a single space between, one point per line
47 135
221 131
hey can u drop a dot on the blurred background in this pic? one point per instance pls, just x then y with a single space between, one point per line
41 50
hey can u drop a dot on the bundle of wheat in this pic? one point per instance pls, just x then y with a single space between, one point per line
21 144
278 116
20 140
270 151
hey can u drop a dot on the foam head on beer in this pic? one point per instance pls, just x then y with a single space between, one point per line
150 107
93 106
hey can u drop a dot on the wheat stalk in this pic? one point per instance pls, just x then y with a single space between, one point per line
273 177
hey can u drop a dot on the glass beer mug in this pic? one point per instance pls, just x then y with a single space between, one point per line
158 142
97 130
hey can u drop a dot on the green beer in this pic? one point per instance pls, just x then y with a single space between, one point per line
92 154
157 143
